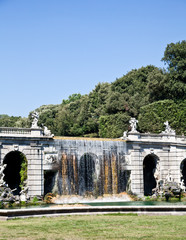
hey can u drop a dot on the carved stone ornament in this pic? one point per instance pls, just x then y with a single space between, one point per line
133 124
47 132
168 129
124 135
127 159
16 147
50 158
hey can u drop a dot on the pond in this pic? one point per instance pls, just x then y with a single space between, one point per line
136 203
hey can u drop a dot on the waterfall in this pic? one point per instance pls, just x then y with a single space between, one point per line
92 167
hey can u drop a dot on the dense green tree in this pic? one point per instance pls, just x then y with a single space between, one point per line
66 117
130 92
175 58
47 116
71 98
113 126
98 99
153 116
22 123
7 121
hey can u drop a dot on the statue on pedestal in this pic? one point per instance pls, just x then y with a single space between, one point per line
133 124
168 129
35 116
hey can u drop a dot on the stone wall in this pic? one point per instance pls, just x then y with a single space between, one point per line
116 165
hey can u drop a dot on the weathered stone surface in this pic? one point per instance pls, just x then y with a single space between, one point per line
115 164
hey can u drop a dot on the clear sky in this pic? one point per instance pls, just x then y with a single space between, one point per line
50 49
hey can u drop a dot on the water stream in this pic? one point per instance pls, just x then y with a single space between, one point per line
91 168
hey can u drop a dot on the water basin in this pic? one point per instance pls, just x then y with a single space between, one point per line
136 203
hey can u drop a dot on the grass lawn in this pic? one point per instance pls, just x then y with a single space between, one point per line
111 226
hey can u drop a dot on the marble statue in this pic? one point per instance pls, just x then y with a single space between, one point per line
182 185
168 129
168 177
35 117
24 192
47 132
124 135
157 173
2 168
133 124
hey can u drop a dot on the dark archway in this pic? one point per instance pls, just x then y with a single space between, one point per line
149 166
49 181
86 174
15 171
183 170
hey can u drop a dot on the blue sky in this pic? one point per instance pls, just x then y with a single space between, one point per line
50 49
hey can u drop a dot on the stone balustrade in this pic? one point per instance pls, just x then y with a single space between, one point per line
156 137
13 130
20 132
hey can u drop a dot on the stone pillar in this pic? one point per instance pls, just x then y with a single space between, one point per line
35 171
137 171
164 161
174 164
36 132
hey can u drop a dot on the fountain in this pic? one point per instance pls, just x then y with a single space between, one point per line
81 170
90 169
6 194
168 187
9 196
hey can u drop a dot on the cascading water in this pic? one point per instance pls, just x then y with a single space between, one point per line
92 168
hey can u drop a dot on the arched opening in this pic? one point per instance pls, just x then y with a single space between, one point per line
86 174
15 171
50 182
149 167
183 171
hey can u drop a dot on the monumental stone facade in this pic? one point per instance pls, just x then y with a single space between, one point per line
68 166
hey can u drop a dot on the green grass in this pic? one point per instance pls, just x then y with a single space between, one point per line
111 226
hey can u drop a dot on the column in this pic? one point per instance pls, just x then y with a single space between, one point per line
35 171
137 171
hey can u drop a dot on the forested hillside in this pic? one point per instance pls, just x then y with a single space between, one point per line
150 94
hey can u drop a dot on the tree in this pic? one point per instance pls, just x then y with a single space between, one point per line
152 116
175 58
47 116
7 121
71 98
130 92
113 126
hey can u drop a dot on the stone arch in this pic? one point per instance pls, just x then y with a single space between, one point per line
183 171
87 173
15 171
151 171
